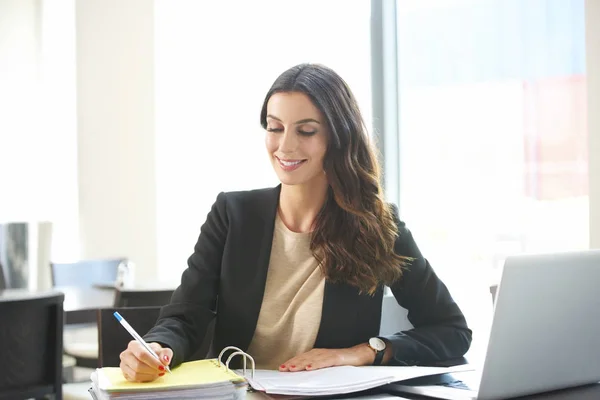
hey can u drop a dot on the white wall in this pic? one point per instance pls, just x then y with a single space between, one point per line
115 115
171 91
213 69
19 111
59 112
38 143
592 9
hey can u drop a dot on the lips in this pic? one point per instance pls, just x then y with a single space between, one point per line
290 165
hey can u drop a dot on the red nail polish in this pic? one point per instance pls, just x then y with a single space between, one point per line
282 366
292 366
161 367
161 374
309 366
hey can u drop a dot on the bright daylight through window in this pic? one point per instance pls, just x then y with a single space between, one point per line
493 135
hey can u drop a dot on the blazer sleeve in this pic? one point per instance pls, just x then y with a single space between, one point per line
440 330
182 324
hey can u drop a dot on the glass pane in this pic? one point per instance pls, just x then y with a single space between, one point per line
493 136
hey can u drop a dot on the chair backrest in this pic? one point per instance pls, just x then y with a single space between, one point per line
142 297
31 344
113 338
86 273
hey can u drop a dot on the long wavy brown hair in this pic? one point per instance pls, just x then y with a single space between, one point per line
355 231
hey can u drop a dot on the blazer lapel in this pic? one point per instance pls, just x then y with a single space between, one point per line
265 210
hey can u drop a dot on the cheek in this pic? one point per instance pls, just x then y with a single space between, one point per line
270 143
319 149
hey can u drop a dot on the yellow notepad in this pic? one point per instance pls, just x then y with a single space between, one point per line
187 375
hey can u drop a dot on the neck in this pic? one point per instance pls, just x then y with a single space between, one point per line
299 205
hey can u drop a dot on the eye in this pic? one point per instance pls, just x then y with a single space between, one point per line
306 132
276 130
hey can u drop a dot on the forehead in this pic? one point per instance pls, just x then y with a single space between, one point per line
292 106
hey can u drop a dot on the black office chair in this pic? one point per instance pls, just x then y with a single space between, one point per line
113 338
142 297
31 345
86 273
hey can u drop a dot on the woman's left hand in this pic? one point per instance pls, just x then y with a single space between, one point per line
358 355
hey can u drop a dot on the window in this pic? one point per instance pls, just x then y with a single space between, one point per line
493 138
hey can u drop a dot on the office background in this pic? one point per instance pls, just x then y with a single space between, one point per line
121 121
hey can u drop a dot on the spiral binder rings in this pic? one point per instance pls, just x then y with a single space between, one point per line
212 378
236 353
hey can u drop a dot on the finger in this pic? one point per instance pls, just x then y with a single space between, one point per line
320 363
165 355
319 358
143 355
135 376
155 346
129 358
136 365
287 365
299 362
283 367
302 363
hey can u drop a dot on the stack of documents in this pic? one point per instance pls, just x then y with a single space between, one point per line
210 379
337 380
203 379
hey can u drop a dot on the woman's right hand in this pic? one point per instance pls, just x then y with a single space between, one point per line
138 365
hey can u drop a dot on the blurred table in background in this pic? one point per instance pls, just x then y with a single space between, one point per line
81 303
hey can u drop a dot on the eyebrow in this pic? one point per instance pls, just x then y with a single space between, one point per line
302 121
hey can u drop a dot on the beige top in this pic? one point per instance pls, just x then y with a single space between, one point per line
290 314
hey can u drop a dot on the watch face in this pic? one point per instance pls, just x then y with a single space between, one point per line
377 344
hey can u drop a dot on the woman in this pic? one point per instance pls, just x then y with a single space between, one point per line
295 274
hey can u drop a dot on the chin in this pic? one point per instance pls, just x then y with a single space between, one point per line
286 180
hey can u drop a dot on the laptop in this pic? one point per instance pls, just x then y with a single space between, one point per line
545 332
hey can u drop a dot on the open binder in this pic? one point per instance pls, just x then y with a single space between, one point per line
214 379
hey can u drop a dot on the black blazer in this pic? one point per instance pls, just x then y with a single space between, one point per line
228 270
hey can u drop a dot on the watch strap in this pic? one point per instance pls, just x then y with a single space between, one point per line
378 357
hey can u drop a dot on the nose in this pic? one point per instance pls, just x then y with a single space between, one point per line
288 142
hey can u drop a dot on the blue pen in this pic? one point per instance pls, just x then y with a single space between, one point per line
137 337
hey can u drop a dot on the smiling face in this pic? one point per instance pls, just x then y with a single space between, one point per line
296 139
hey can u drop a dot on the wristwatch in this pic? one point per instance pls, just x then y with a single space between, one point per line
378 345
